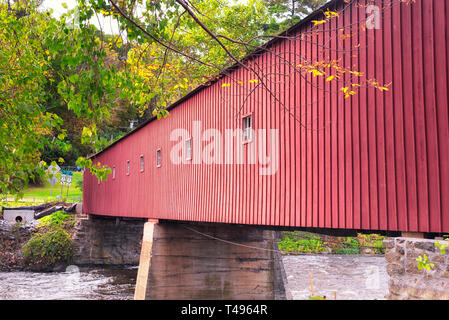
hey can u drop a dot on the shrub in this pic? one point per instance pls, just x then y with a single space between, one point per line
373 241
44 250
350 246
291 243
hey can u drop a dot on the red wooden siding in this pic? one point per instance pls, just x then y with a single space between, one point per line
377 160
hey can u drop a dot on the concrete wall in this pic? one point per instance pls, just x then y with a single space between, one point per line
107 241
214 261
406 280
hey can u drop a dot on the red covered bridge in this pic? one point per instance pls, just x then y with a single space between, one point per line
336 153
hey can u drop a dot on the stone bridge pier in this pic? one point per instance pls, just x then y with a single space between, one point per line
180 260
208 261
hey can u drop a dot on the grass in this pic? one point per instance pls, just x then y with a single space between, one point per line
301 242
40 194
306 242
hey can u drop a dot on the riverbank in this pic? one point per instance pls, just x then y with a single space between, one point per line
12 239
63 238
43 245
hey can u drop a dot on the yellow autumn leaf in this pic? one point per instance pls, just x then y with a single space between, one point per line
318 22
331 14
225 84
349 93
356 73
344 89
316 72
330 78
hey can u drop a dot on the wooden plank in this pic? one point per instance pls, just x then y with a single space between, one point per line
441 12
420 119
145 261
432 120
408 113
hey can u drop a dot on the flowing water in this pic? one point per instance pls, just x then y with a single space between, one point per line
341 276
73 284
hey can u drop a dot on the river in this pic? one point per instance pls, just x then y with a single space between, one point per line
73 284
342 276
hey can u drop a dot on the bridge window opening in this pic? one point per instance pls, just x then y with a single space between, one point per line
158 158
189 149
127 167
247 128
113 172
142 163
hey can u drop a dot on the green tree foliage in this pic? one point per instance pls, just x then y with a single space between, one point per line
25 121
65 91
289 12
45 64
172 53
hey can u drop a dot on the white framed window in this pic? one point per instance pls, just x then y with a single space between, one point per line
128 167
158 158
189 149
247 126
113 172
142 163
